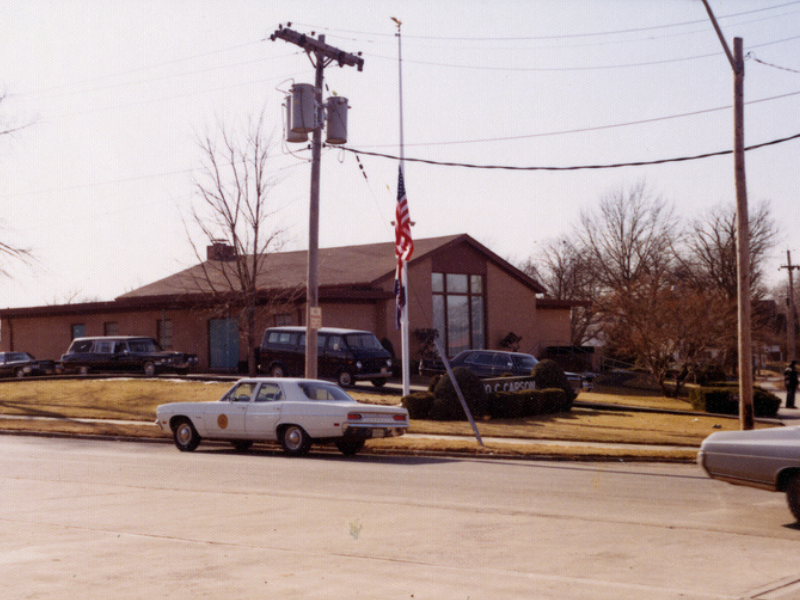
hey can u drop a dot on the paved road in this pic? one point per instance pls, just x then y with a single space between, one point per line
93 519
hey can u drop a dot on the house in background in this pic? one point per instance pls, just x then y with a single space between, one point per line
470 295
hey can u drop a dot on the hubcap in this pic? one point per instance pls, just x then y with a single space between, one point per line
184 434
294 438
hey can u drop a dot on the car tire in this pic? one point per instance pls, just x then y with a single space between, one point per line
378 382
277 371
84 370
242 445
793 495
295 440
19 373
350 447
149 369
185 436
345 379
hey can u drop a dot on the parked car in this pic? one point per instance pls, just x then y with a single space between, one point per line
768 459
346 355
126 353
21 364
497 363
294 412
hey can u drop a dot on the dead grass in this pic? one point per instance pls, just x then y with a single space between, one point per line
135 400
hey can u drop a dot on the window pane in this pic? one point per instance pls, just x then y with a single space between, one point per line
476 284
457 324
437 282
457 284
438 316
478 337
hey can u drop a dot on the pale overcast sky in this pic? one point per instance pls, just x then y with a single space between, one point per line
115 92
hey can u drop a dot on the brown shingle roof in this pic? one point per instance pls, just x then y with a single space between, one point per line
347 266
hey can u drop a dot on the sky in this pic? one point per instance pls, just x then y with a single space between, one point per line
111 96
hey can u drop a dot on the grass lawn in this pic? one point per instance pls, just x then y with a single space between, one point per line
135 400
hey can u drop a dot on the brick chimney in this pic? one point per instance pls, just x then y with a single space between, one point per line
220 250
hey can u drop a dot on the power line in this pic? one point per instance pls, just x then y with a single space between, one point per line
557 36
572 168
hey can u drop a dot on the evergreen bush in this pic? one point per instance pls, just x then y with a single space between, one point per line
418 404
548 375
446 404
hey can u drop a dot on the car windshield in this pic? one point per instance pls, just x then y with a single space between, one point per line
525 361
323 391
363 341
17 356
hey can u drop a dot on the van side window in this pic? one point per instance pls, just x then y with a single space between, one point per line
335 343
104 347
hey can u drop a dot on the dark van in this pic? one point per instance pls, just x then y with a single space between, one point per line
346 355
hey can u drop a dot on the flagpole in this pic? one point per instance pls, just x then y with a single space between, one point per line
404 272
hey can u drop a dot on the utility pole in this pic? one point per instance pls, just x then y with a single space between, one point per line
321 55
746 416
790 333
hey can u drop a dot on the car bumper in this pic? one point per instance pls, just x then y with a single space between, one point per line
368 432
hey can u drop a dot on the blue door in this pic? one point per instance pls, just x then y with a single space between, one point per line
223 337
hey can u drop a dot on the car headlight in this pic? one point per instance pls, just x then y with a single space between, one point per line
359 366
389 362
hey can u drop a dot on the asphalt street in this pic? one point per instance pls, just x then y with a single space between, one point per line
100 519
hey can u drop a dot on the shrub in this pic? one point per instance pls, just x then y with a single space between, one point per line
721 399
418 404
527 403
447 406
548 375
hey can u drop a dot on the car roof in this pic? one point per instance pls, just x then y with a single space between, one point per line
333 330
117 338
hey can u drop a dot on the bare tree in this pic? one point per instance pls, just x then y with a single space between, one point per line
233 187
629 245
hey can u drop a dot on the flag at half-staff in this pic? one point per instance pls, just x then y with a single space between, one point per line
403 244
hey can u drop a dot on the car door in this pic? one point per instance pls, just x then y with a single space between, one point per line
226 418
264 412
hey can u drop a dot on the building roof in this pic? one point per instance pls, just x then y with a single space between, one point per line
349 271
355 267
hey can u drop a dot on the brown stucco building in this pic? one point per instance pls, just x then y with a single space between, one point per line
470 295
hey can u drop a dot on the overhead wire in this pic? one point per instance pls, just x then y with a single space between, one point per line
574 167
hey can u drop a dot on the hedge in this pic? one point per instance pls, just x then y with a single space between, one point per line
501 405
722 398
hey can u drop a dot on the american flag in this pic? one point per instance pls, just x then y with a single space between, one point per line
403 244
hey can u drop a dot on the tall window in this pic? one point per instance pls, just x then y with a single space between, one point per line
164 333
78 330
458 311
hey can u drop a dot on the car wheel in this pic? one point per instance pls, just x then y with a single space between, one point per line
350 447
793 495
242 445
84 370
185 436
378 382
19 373
149 369
345 379
277 371
295 441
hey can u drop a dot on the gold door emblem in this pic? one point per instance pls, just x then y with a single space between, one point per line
222 421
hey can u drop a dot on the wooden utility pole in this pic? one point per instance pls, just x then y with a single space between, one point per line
746 417
790 325
321 55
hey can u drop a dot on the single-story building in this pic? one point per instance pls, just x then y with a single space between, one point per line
469 294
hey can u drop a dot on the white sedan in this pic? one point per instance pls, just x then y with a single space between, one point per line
768 459
294 412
